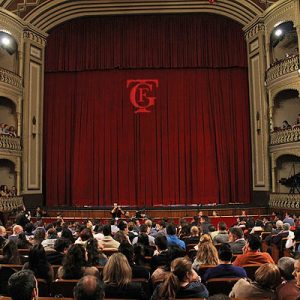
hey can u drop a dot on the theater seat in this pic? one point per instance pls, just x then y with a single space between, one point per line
251 269
63 287
221 285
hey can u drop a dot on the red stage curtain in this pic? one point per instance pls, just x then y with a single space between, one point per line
194 145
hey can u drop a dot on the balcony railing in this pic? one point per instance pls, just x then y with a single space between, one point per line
285 136
10 78
10 143
286 201
286 66
8 204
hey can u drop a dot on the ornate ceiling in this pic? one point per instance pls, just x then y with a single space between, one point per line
23 7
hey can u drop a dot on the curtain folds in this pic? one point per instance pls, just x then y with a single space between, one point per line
192 147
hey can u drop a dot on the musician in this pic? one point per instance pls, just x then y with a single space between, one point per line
117 211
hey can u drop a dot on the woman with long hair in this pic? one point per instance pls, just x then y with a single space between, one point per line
22 242
207 253
10 253
95 257
117 275
181 282
38 263
75 265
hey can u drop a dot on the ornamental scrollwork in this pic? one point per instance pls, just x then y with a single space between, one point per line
285 136
10 143
284 201
8 204
10 78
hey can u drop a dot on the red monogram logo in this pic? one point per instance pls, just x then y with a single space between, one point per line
141 93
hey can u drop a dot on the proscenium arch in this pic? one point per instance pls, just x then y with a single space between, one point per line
54 12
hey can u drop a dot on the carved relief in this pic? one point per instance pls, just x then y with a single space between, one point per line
34 37
286 201
254 30
10 143
10 78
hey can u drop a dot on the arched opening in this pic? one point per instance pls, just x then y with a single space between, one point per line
8 52
286 109
288 174
8 117
283 42
8 176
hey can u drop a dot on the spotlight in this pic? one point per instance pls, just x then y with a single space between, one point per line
8 43
5 41
278 32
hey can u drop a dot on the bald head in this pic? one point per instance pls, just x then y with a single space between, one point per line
2 231
17 229
89 288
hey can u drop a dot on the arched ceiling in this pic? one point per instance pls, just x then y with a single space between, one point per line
45 14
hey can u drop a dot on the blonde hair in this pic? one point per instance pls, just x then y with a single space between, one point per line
180 267
117 270
194 230
207 252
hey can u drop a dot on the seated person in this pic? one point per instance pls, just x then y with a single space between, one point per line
181 282
286 125
225 268
222 236
267 278
288 289
117 275
251 253
236 240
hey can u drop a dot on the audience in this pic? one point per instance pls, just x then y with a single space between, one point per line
10 253
2 236
22 285
172 238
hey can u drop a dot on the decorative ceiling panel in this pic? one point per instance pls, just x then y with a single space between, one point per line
23 7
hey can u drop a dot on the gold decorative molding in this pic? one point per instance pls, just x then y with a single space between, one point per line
8 204
29 34
10 143
253 31
288 65
285 136
10 78
286 201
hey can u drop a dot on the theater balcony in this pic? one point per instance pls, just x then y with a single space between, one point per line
284 201
8 143
285 136
10 80
283 69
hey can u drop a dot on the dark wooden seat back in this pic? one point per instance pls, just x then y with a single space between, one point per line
220 285
63 287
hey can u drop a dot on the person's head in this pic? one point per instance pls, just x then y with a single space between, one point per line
207 253
144 229
222 226
39 234
286 226
286 267
10 253
92 252
225 253
279 224
37 257
22 285
89 288
171 229
148 223
235 233
2 231
194 231
74 261
117 270
86 234
107 230
127 249
17 229
253 242
268 276
181 272
123 226
161 242
296 272
61 245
